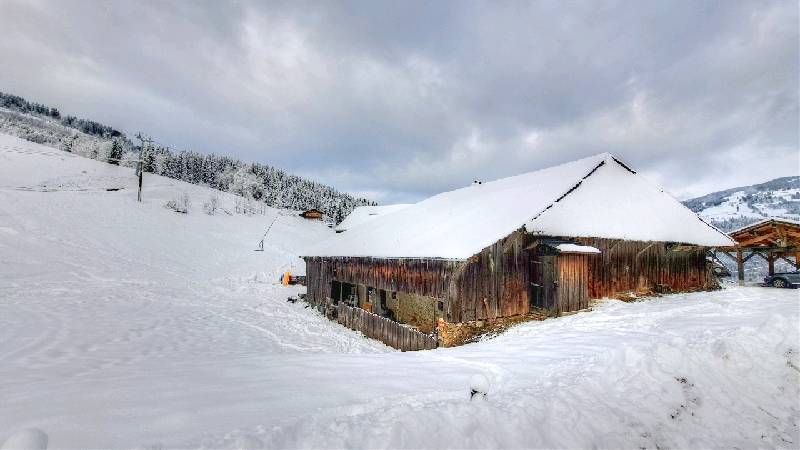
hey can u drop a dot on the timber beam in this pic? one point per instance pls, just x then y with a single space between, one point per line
740 266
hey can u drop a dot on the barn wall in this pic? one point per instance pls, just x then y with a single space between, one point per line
493 283
636 265
427 277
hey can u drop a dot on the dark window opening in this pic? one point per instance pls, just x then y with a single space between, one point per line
383 300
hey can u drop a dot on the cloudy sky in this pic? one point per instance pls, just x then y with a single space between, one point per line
400 100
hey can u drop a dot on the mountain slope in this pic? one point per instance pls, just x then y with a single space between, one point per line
254 181
736 207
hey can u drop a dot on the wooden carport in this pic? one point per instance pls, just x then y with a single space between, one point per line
771 239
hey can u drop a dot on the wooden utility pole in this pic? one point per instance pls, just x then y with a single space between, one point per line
140 165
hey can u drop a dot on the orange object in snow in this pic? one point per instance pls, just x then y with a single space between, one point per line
285 278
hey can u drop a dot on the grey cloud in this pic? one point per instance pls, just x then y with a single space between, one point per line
401 100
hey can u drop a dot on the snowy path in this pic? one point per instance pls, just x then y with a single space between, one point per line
125 325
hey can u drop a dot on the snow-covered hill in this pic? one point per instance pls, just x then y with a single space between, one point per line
259 182
737 207
128 325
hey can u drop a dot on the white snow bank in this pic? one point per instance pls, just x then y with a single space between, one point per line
29 439
706 370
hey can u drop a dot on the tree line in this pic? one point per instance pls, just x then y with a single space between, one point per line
17 103
256 181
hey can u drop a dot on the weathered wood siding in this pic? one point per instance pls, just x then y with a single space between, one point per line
493 283
497 281
429 277
630 265
390 333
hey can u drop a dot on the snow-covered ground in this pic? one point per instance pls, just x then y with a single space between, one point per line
127 325
734 207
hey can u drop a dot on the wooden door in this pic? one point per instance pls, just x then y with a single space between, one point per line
543 282
573 282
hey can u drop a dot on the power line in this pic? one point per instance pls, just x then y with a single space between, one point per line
264 237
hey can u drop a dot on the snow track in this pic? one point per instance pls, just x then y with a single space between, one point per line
127 325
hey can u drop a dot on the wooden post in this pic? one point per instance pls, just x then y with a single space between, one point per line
740 265
140 165
771 263
139 195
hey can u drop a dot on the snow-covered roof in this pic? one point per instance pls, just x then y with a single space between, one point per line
596 196
366 213
762 222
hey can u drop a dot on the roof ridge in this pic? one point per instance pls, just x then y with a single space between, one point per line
572 189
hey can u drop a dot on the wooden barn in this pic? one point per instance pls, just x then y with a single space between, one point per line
549 241
311 214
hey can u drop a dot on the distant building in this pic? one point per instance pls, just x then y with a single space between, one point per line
312 214
545 242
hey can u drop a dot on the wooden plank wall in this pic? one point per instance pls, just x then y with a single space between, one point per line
630 265
390 333
493 283
428 277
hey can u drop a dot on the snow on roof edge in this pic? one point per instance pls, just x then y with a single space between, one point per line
763 221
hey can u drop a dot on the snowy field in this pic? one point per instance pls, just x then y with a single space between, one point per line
127 325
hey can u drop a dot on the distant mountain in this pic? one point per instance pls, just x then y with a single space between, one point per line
737 207
255 182
741 206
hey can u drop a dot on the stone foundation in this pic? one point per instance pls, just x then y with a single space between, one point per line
415 310
455 334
